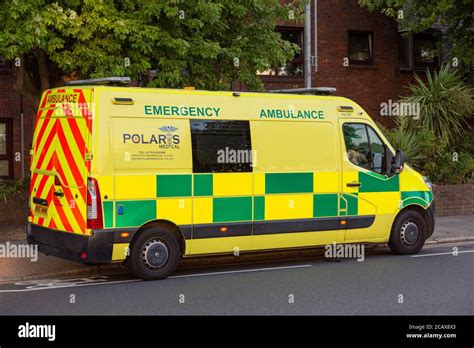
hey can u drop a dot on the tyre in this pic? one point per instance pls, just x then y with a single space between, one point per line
408 233
154 254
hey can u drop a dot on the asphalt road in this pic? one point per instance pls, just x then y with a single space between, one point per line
434 282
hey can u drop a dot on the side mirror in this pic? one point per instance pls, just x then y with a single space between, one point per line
398 162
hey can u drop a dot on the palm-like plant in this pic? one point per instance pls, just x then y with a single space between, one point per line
445 103
410 142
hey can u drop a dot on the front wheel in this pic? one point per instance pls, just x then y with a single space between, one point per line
408 234
154 254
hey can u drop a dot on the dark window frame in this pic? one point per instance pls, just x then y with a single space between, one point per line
198 167
370 61
9 147
299 60
407 50
425 36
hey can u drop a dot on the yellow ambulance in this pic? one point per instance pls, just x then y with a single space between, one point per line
149 176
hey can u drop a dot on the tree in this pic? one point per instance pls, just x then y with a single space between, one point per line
456 16
202 43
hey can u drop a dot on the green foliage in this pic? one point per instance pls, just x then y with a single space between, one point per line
8 188
445 104
204 43
418 15
445 168
433 156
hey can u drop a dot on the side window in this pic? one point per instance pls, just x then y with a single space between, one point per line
364 147
221 146
377 152
357 144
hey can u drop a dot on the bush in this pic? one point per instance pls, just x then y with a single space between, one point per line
434 157
450 168
8 188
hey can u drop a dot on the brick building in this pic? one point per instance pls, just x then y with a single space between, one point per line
11 106
360 53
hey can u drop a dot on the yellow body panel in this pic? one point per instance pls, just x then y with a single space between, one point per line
279 207
202 210
135 186
259 183
233 184
326 182
296 240
178 210
220 245
120 251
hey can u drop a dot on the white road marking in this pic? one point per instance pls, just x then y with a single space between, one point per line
72 286
448 253
140 280
239 271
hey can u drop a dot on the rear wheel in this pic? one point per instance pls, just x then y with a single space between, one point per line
154 254
408 233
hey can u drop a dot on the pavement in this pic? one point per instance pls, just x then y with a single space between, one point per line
433 282
452 229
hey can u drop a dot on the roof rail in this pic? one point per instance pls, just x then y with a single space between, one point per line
116 80
311 90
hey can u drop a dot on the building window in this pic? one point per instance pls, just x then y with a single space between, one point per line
419 50
293 67
360 47
221 146
424 46
6 169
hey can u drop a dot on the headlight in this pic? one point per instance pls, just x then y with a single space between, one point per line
428 183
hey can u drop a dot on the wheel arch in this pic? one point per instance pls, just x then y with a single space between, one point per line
429 220
167 225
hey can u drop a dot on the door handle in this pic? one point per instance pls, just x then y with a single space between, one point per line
59 193
353 184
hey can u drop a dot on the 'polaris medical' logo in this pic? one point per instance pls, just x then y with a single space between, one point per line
37 331
169 140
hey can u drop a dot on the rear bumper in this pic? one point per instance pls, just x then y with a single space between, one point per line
95 249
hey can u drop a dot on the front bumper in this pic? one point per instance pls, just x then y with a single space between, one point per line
94 249
431 218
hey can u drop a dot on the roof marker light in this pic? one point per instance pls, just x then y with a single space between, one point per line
123 101
344 108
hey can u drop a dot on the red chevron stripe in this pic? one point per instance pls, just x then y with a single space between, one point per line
69 197
45 177
84 109
63 217
77 136
52 224
41 220
47 117
69 157
42 105
43 153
